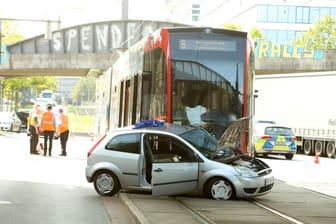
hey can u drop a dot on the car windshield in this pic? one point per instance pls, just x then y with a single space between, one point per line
206 144
201 140
278 131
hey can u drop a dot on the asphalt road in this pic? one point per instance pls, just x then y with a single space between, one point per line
303 171
37 189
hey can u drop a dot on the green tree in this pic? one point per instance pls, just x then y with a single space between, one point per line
11 91
232 26
13 87
321 35
256 34
85 90
10 35
40 83
9 31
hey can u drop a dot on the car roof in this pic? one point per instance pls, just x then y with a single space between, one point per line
264 122
260 127
270 125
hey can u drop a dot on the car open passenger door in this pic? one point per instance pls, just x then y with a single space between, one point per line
174 167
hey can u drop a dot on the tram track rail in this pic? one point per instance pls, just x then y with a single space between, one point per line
146 209
287 217
199 216
277 213
206 220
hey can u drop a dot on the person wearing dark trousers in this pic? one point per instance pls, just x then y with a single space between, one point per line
33 137
63 131
48 126
34 121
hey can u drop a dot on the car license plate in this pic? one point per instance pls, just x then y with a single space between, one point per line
281 143
269 181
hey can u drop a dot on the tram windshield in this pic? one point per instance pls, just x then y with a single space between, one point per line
208 79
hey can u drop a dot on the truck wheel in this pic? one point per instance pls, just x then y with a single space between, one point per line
330 150
319 149
307 147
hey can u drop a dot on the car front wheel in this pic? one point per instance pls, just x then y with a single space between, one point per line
106 183
219 189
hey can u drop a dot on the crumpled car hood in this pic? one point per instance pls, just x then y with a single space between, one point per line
250 162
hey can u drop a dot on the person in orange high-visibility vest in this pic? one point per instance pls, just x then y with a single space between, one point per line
48 126
63 130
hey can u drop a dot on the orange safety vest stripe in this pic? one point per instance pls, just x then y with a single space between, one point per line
48 121
64 125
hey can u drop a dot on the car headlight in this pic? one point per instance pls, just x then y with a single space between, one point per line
245 172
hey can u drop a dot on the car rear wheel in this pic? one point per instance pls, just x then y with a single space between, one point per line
289 156
219 189
106 183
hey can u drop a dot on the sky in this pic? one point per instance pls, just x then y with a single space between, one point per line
73 12
70 12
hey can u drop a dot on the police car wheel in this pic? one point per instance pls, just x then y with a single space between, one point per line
289 156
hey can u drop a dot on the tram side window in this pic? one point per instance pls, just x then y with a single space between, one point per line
155 63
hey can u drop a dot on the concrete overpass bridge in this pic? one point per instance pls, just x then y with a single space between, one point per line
91 48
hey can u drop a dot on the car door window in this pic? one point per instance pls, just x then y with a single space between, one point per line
166 149
125 143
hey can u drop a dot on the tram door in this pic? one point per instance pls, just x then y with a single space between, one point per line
126 102
129 100
144 96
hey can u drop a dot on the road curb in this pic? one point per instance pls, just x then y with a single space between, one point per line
137 214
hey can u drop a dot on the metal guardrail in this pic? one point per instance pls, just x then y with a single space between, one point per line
89 114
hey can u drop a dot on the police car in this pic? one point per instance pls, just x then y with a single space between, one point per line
270 138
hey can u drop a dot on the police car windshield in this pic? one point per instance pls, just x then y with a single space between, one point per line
278 131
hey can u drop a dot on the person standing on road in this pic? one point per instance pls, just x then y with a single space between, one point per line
35 107
48 126
34 122
63 130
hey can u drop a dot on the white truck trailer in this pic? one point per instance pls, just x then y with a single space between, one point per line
306 102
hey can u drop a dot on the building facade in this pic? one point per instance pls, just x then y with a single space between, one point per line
280 21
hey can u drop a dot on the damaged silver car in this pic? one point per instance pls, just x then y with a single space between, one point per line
173 159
